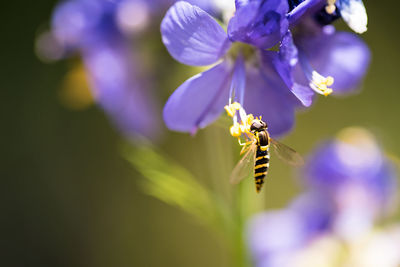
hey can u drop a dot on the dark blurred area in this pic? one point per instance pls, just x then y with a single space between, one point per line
70 199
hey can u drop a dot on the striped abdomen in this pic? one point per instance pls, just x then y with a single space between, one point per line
261 166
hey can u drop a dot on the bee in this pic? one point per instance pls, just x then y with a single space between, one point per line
256 155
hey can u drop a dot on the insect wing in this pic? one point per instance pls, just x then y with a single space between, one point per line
287 154
243 169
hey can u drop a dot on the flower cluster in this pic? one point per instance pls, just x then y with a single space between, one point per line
351 184
106 34
248 68
101 32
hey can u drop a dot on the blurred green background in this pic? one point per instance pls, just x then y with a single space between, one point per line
70 199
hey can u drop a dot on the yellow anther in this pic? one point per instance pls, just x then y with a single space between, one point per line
232 108
330 7
329 80
320 84
238 129
231 112
324 89
236 105
235 130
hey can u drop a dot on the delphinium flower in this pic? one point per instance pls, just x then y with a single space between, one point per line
193 37
248 70
350 186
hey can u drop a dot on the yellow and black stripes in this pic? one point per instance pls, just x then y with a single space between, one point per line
261 166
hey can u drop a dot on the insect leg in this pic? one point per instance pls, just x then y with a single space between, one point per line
245 146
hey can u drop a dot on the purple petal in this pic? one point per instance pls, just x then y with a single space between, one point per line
288 69
267 95
208 6
118 89
303 93
354 178
192 36
240 3
238 85
342 55
199 100
282 64
273 234
260 23
288 51
337 165
297 12
286 65
317 209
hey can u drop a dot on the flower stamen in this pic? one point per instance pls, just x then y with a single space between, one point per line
232 108
236 130
243 127
320 84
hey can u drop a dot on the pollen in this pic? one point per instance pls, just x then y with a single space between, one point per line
232 108
242 128
236 130
321 84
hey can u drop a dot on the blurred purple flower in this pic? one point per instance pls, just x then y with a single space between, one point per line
103 32
352 171
273 236
350 184
193 37
100 32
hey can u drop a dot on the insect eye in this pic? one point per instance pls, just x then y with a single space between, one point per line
256 125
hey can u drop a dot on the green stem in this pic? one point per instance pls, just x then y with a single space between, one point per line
240 251
232 207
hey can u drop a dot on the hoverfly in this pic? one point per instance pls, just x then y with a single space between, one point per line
256 155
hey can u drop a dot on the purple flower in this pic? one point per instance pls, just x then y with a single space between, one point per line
100 31
274 235
349 183
266 82
353 168
193 37
103 32
352 180
118 88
